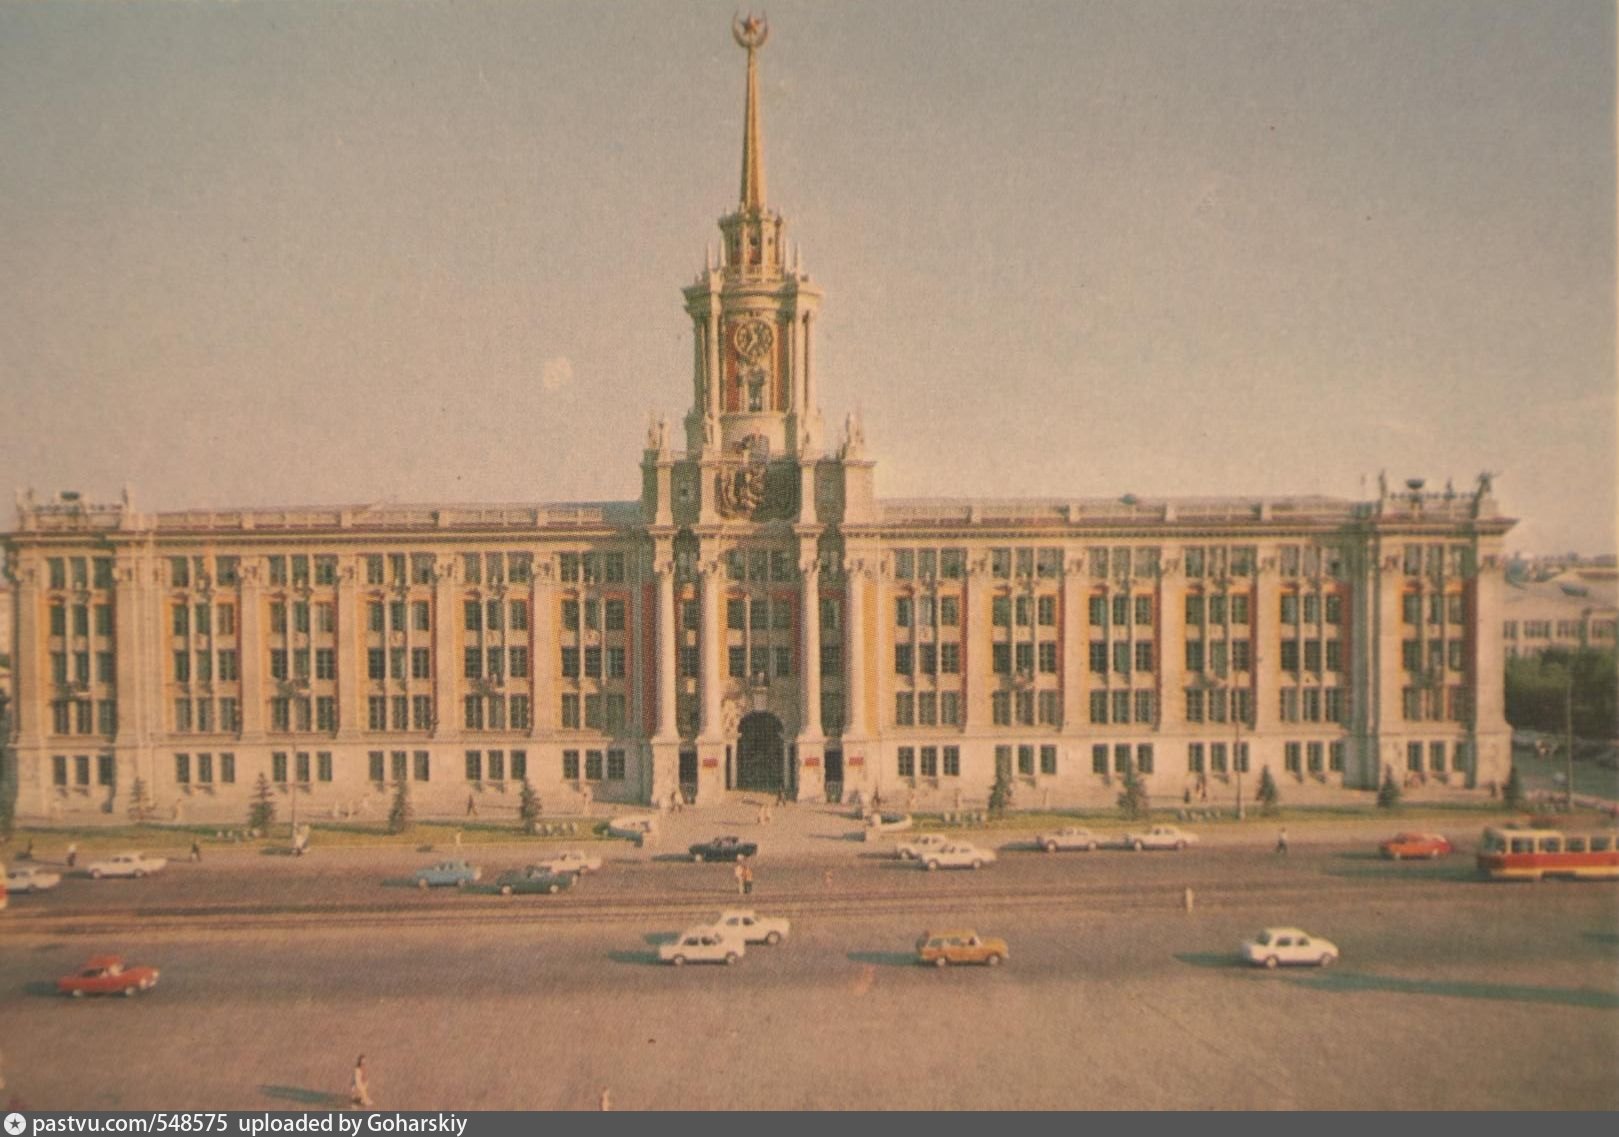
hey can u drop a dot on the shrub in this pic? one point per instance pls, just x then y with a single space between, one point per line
261 810
1133 801
528 807
399 814
1269 796
140 805
1512 794
1000 794
1388 795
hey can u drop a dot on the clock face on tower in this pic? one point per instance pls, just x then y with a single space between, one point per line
752 340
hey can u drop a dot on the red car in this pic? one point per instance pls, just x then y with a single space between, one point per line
107 975
1429 845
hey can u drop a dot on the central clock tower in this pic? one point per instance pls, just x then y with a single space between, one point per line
752 317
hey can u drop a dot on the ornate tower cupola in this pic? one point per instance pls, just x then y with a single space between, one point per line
752 315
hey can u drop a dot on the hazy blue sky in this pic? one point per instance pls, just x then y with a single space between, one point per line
283 253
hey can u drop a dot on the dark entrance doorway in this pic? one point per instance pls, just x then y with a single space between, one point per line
834 773
688 775
760 753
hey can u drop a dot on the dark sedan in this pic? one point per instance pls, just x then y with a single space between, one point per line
723 849
534 879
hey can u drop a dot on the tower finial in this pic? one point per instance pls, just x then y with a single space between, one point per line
751 32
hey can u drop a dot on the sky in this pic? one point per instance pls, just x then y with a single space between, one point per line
262 254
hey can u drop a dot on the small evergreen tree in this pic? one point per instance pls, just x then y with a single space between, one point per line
399 814
1269 796
1388 796
1133 801
8 813
1000 794
140 808
528 807
1512 794
261 810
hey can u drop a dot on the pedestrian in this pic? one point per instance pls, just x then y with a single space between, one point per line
1189 898
826 878
458 838
196 851
1281 841
747 880
72 853
739 873
360 1086
606 1101
28 853
472 807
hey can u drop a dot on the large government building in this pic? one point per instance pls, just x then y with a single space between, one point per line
757 619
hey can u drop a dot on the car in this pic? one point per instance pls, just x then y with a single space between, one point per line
1429 845
702 945
1068 837
28 878
126 864
957 856
456 874
107 975
572 860
723 849
1159 837
913 849
750 927
1276 946
535 878
962 946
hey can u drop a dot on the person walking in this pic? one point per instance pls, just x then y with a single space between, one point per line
360 1086
1281 842
740 872
196 851
72 854
472 807
606 1102
747 880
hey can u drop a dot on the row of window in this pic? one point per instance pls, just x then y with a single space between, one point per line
1124 654
931 564
928 611
198 715
1437 752
606 712
1216 704
599 765
1004 611
598 663
1436 704
227 671
598 615
79 764
945 658
927 708
203 766
930 766
1116 707
106 668
1025 708
1442 608
496 712
761 658
85 716
1311 755
1441 653
80 613
1214 753
1437 560
1566 629
491 765
58 569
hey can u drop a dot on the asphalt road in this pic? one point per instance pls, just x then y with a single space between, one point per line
1452 993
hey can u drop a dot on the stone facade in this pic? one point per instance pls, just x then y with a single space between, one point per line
758 619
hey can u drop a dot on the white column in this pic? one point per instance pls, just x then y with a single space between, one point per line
668 629
714 639
809 566
855 671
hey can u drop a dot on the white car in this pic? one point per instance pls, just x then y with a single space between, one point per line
1276 946
913 849
31 879
748 926
961 856
1160 837
126 864
702 945
1069 837
571 861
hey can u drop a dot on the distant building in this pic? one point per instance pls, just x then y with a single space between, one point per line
1577 608
758 619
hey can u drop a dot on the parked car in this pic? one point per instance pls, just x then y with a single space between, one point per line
723 849
1276 946
126 864
535 878
28 878
959 856
1159 837
913 849
702 945
1429 845
455 874
571 860
107 975
965 946
750 927
1068 837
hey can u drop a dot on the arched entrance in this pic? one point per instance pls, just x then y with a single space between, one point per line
760 754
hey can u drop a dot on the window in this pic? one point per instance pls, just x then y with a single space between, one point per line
423 769
1099 758
1025 761
472 612
1194 705
1098 657
903 661
1048 657
1194 757
1001 659
1146 706
1194 655
1290 704
278 766
1121 706
1290 608
1024 653
1144 757
907 761
1001 611
1000 705
1025 708
325 712
1334 704
1291 757
904 708
1194 608
1099 707
1290 655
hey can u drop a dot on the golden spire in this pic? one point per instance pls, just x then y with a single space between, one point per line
751 32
